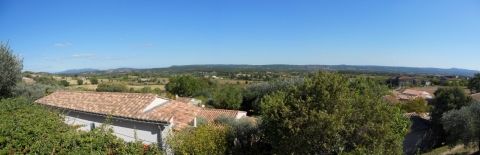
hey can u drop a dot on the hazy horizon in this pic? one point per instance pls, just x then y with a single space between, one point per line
56 35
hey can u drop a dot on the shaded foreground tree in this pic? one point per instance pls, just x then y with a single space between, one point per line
26 128
463 126
333 114
446 99
474 83
10 70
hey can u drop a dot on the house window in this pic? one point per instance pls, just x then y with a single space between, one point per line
92 126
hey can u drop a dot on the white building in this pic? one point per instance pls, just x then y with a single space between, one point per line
131 116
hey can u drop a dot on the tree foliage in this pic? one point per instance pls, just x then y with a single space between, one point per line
112 87
205 139
474 83
330 114
33 91
79 82
93 80
255 92
186 86
26 128
463 125
245 136
446 99
64 83
417 105
227 97
10 70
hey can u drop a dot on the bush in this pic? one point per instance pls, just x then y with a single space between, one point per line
80 82
187 86
93 80
474 83
112 87
205 139
26 128
227 97
64 83
46 80
10 70
333 114
245 136
33 91
418 105
462 125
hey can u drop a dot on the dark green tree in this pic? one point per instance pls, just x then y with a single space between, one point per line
186 86
227 97
255 92
93 80
64 83
446 99
332 114
80 82
474 83
10 70
463 125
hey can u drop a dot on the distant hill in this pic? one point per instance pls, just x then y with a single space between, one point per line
282 67
79 71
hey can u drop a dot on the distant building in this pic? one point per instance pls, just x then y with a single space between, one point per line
403 81
133 116
413 94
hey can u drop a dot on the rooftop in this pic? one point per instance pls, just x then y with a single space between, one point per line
138 106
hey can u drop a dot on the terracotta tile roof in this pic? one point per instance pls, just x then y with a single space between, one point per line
211 114
182 113
130 105
135 106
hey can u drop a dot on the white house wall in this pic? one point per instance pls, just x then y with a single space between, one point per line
128 130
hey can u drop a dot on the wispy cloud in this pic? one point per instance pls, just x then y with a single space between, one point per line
84 56
62 44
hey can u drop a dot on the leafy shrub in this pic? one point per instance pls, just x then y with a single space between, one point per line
10 70
80 82
26 128
46 80
187 86
245 135
205 139
112 87
333 114
227 97
418 105
64 83
33 91
462 125
93 80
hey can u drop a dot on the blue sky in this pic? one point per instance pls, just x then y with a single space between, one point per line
59 35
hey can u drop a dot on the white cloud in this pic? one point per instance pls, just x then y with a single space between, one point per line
64 44
83 55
